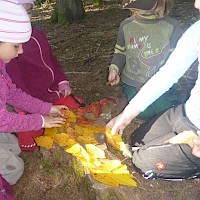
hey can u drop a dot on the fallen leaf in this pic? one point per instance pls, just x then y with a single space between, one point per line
103 177
44 141
115 140
64 139
109 165
94 151
50 132
78 151
124 179
186 137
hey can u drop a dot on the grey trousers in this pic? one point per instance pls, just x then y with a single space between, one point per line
168 161
11 165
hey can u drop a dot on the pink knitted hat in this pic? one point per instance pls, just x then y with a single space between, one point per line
26 1
15 26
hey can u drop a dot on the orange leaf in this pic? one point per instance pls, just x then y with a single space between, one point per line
44 141
50 132
106 101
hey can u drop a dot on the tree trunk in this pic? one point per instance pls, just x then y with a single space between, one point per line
67 11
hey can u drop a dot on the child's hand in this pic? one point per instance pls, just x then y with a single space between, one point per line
113 78
196 147
64 88
66 92
121 121
118 124
50 121
58 110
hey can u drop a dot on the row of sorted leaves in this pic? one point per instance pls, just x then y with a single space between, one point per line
79 139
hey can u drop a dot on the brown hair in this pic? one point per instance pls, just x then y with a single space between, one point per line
161 8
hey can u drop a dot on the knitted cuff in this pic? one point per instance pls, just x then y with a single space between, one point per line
63 85
113 66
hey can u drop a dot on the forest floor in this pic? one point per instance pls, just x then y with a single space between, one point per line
85 50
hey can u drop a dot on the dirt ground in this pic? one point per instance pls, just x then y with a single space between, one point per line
85 49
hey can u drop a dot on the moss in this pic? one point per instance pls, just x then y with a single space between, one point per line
63 18
107 195
47 165
58 155
78 168
98 2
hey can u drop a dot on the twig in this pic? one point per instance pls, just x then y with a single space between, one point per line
97 49
125 159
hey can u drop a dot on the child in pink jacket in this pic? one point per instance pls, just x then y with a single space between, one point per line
38 73
15 29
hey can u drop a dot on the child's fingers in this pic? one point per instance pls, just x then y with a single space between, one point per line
113 81
196 150
66 93
63 107
54 122
196 141
57 120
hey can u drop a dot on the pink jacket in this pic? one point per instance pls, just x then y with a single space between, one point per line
9 94
37 71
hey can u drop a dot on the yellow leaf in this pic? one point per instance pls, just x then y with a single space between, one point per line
122 169
103 177
69 116
97 129
88 164
70 130
85 154
185 137
50 132
75 149
109 165
125 148
64 139
61 128
96 163
78 151
64 127
81 130
115 140
124 179
87 139
44 141
94 151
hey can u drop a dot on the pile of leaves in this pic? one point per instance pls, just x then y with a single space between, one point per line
79 136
